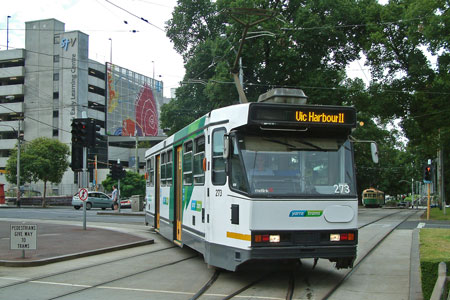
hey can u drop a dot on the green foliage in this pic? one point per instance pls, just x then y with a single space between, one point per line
308 45
11 167
42 159
131 184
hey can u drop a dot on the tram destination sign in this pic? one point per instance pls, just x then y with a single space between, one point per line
303 115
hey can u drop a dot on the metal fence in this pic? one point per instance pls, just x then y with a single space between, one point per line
31 190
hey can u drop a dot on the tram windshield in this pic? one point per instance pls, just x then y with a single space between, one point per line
285 166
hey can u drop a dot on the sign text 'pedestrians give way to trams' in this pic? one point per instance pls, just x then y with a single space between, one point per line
23 237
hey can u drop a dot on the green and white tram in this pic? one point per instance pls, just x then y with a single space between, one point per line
372 197
258 181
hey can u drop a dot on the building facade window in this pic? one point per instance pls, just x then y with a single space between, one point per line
55 95
55 76
55 58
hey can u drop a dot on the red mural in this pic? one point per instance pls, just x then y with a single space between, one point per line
146 113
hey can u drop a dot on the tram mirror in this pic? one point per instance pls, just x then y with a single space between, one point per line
374 150
226 146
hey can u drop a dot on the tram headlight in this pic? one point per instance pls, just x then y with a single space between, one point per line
274 238
267 238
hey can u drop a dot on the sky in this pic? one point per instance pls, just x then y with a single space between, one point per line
136 45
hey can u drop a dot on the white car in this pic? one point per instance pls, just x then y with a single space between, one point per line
94 200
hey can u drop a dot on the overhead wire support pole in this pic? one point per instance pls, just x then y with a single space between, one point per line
245 11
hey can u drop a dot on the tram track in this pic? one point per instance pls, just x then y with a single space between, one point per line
289 292
124 277
368 253
291 274
38 278
379 219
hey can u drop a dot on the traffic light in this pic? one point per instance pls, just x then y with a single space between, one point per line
80 132
428 174
77 158
117 171
114 174
94 137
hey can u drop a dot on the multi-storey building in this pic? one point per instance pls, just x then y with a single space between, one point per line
50 82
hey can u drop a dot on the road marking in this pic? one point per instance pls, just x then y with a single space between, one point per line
61 283
421 225
135 289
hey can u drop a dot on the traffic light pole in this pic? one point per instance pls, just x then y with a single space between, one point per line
84 176
428 202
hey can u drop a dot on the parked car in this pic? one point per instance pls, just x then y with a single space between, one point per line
125 203
94 200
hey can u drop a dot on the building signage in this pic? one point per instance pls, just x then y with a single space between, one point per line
65 42
23 237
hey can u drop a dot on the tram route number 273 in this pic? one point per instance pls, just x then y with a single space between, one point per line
341 188
218 193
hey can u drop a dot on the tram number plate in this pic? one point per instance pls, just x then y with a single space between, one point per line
341 188
218 193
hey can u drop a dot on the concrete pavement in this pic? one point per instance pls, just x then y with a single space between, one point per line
63 242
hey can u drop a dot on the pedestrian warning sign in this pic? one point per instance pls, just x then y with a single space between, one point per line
23 237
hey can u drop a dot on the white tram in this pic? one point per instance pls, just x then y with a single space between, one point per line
258 181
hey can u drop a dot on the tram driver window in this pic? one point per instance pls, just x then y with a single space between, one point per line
218 163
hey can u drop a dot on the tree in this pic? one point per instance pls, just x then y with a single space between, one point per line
407 85
131 184
43 159
11 167
304 49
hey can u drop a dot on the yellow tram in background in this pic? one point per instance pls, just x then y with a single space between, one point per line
372 197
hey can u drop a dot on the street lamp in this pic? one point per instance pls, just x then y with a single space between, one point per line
153 62
7 31
110 53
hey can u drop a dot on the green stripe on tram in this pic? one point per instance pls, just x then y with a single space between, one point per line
199 123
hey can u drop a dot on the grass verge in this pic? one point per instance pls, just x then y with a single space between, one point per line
434 248
437 214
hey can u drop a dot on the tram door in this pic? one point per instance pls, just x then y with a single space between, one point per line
178 193
157 189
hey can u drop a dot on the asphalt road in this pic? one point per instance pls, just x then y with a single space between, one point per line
165 272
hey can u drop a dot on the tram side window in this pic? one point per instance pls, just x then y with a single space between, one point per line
150 172
187 163
163 168
199 155
218 163
169 168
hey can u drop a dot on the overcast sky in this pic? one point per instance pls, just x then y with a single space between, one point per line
102 20
115 19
